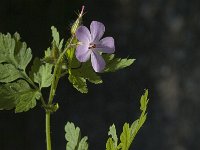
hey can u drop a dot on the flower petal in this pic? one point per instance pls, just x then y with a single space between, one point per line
106 45
83 53
97 30
83 34
98 62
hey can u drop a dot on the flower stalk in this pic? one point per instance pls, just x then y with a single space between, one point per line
56 77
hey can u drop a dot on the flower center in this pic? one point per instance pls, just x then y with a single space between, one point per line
92 46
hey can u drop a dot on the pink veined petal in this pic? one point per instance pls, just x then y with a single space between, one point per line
83 34
106 45
83 53
98 62
97 30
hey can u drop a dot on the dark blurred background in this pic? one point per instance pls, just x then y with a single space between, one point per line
162 35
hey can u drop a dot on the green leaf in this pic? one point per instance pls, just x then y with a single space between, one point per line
18 94
144 101
8 94
83 145
125 137
57 43
129 132
27 100
78 83
55 35
7 47
13 51
113 134
14 57
22 54
8 73
52 54
35 67
73 137
110 144
44 76
114 64
136 125
86 71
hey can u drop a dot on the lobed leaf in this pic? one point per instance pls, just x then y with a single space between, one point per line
86 71
7 48
44 75
52 54
78 83
113 134
55 35
22 54
18 94
125 137
110 144
129 132
27 100
35 67
114 64
83 145
73 137
9 73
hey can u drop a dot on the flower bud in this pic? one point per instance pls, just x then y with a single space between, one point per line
78 22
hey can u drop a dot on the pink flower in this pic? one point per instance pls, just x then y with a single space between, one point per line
91 45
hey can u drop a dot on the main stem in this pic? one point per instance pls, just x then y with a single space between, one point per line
48 131
56 77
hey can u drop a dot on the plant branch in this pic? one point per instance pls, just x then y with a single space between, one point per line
57 72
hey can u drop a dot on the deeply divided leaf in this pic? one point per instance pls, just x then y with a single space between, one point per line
18 94
44 75
110 144
9 73
113 134
114 64
78 83
52 54
22 54
73 137
14 57
129 132
13 51
7 48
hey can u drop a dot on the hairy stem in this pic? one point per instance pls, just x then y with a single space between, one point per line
48 131
56 77
57 72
